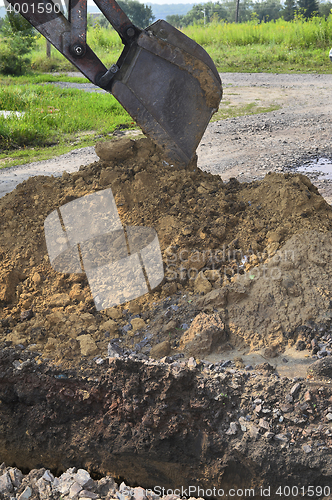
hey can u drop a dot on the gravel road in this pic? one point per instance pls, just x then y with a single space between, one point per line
246 147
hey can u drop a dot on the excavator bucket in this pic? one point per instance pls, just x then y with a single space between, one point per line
170 86
165 80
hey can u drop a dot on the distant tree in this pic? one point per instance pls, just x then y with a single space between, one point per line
268 10
308 7
18 39
289 10
14 24
245 10
141 15
325 9
176 20
209 10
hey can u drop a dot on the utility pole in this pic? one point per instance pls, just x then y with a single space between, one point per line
48 49
204 14
237 11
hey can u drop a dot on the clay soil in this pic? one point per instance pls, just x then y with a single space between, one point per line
213 236
247 270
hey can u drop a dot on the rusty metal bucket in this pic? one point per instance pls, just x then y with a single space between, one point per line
170 86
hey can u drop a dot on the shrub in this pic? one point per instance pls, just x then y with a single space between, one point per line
17 40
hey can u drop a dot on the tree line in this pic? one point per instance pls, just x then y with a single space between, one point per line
263 11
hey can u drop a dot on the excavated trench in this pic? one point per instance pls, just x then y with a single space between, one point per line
113 392
154 425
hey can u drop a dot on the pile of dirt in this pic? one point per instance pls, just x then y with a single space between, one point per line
212 237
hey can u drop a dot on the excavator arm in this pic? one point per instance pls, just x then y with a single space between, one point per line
166 81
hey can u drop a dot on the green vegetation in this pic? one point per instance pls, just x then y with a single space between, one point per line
296 46
283 47
141 15
52 116
17 39
263 10
226 110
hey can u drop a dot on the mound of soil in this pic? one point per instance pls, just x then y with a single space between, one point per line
215 240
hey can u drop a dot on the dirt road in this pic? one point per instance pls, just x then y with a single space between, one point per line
246 147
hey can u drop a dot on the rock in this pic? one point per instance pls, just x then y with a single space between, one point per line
48 476
59 300
232 429
106 486
83 478
171 325
286 408
36 279
76 293
114 151
295 389
160 350
16 477
134 307
321 368
75 490
87 345
137 324
139 493
205 334
254 431
329 417
44 489
87 318
25 315
202 284
8 284
264 424
114 313
87 494
114 351
192 363
306 448
307 396
281 437
110 326
269 435
215 298
169 289
6 485
26 494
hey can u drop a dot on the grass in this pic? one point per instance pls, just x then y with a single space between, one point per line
106 43
36 77
280 46
284 47
59 118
